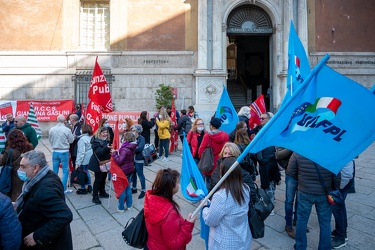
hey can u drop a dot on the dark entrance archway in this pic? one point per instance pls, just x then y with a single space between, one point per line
248 55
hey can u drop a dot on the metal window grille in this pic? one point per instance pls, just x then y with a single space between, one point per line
82 84
94 25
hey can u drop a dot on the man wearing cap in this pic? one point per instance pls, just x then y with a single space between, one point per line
215 139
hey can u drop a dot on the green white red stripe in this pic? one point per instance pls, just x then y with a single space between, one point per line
325 102
33 121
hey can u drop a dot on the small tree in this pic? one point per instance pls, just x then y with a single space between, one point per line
163 96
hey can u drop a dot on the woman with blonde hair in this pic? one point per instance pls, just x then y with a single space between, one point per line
164 124
227 215
104 123
195 137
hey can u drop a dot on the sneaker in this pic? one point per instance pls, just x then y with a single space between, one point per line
68 191
120 211
141 195
81 191
134 190
272 212
333 234
128 208
290 231
338 243
165 159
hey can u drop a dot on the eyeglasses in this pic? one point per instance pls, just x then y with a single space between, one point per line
200 124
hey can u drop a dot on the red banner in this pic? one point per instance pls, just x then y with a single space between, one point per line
45 110
93 115
99 89
120 116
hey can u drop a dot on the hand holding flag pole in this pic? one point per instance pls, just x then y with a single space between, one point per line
262 132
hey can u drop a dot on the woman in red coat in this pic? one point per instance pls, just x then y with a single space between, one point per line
166 228
195 138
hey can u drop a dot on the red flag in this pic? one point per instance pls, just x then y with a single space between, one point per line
93 115
174 135
119 180
257 109
99 89
116 139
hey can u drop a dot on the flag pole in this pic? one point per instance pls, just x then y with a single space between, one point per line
262 131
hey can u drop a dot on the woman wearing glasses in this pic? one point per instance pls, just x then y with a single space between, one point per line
195 138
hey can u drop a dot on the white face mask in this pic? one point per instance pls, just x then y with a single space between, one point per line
160 117
200 129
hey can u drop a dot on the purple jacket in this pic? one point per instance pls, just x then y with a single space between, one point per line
124 157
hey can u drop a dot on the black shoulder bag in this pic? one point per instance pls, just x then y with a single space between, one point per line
135 233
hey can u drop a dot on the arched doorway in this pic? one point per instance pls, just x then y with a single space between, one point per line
248 55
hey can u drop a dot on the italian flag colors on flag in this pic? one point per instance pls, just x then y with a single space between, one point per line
33 121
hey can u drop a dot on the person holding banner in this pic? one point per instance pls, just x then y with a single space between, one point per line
166 228
227 214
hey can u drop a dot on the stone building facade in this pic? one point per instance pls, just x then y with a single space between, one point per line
48 48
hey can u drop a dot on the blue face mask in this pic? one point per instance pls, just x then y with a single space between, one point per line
22 175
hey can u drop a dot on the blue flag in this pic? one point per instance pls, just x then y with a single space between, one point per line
298 64
193 187
317 121
226 113
373 89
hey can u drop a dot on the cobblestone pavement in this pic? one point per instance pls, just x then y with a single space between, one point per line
100 226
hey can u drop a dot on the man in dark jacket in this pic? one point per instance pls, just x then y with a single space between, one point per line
10 227
26 128
183 125
76 131
8 125
45 218
311 192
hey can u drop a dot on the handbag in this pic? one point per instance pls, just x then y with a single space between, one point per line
262 204
5 175
79 176
255 222
334 195
135 232
206 162
104 165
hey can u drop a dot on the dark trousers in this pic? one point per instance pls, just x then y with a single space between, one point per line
156 141
99 183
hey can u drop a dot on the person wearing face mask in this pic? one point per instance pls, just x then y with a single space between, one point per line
101 149
139 161
103 123
45 217
195 138
164 123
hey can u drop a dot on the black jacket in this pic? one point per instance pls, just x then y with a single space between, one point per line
46 214
268 169
146 126
76 131
101 150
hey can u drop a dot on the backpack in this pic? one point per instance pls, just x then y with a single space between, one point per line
5 174
187 126
78 176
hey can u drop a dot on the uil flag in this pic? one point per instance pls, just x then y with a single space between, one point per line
298 64
174 135
33 121
317 121
258 107
226 113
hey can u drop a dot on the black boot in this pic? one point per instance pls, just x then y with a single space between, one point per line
96 200
103 195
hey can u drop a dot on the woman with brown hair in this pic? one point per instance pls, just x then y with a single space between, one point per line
18 143
146 126
166 228
104 123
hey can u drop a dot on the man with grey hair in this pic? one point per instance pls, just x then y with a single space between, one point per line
60 138
26 128
45 218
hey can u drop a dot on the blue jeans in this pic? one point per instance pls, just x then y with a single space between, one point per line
164 144
142 179
290 194
323 210
86 168
339 212
63 158
126 195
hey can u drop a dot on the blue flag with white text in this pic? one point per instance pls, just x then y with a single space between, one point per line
317 121
226 113
298 64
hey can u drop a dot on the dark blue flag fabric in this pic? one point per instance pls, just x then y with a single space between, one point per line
193 187
298 64
226 113
317 121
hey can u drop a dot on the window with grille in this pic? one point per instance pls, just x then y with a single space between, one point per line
82 84
94 25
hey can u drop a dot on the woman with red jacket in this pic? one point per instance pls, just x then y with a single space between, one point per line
195 137
166 228
215 139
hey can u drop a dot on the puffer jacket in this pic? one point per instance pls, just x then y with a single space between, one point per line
163 129
124 157
167 229
216 141
10 227
303 170
84 150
